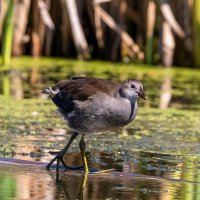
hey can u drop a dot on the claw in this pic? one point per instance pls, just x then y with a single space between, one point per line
58 158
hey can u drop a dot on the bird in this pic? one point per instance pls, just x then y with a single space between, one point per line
91 105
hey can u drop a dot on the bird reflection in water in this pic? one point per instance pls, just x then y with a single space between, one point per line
64 187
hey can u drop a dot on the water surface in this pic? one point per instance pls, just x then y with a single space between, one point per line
155 157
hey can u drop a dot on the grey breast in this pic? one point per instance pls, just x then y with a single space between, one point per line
101 112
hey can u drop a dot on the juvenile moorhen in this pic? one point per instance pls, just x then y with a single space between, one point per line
94 105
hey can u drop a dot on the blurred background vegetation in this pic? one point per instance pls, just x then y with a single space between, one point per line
162 32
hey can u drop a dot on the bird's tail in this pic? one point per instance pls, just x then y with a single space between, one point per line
50 91
46 91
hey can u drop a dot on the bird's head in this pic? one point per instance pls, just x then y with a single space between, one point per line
132 88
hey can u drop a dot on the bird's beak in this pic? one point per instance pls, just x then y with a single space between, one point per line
142 95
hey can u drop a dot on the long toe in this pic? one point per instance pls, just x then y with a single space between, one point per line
54 152
58 158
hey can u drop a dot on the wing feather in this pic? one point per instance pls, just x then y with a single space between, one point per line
81 88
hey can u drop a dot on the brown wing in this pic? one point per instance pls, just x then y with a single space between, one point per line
80 88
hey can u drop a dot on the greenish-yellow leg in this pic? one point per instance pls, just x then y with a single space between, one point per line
82 148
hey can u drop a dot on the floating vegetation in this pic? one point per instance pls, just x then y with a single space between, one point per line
162 143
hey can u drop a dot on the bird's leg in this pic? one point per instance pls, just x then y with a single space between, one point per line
82 148
59 156
81 189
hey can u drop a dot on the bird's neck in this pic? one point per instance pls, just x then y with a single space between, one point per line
132 99
132 102
134 109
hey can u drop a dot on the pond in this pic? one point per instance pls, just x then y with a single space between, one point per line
155 157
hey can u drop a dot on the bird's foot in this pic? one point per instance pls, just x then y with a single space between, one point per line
59 158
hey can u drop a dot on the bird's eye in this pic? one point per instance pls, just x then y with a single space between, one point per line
132 86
